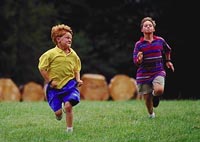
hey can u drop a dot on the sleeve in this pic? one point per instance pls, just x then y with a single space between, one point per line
135 52
43 62
78 64
166 47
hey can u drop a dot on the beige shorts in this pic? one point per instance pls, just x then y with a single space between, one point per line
148 88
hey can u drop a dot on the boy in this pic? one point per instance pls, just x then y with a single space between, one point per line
60 67
148 57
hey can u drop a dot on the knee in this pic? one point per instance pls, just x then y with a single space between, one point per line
68 107
159 91
58 113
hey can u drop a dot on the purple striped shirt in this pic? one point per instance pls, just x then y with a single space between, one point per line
152 64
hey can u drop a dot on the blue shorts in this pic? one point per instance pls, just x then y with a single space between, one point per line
68 93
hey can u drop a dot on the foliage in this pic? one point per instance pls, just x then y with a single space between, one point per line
105 34
25 38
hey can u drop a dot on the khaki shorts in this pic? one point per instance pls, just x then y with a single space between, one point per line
148 88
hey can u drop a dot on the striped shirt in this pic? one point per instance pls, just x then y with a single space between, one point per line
152 64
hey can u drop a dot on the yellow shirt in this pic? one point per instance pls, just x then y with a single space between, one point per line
60 66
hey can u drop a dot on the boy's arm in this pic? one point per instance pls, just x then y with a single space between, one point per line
45 75
168 61
77 76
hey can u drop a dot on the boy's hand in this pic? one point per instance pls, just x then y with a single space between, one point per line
79 83
170 65
140 57
53 83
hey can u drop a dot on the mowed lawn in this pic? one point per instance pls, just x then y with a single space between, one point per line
102 121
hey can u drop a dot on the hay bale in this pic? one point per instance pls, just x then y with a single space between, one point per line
94 87
9 90
122 87
33 92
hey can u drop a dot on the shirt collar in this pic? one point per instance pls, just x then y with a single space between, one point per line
154 38
60 50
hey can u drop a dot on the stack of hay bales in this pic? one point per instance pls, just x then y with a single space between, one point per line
122 87
95 87
33 92
9 90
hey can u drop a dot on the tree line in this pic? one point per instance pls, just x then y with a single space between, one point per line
104 35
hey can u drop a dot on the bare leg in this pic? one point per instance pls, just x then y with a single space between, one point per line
69 114
148 103
158 89
58 114
157 92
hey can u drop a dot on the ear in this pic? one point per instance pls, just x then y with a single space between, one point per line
58 39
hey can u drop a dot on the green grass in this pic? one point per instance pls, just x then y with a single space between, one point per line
102 121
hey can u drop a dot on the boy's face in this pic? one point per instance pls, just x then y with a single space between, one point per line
148 27
65 41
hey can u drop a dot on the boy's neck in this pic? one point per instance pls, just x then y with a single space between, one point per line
148 37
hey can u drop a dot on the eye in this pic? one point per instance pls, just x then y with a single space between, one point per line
148 25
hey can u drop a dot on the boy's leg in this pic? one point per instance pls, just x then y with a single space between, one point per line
145 90
69 116
70 99
149 104
54 102
58 114
158 89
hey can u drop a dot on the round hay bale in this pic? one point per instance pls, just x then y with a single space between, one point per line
9 90
122 87
33 92
94 87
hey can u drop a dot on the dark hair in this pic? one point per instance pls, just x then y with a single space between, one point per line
148 19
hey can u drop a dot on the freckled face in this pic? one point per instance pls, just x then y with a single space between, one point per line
148 27
65 41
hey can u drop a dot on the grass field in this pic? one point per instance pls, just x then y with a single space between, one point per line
102 121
